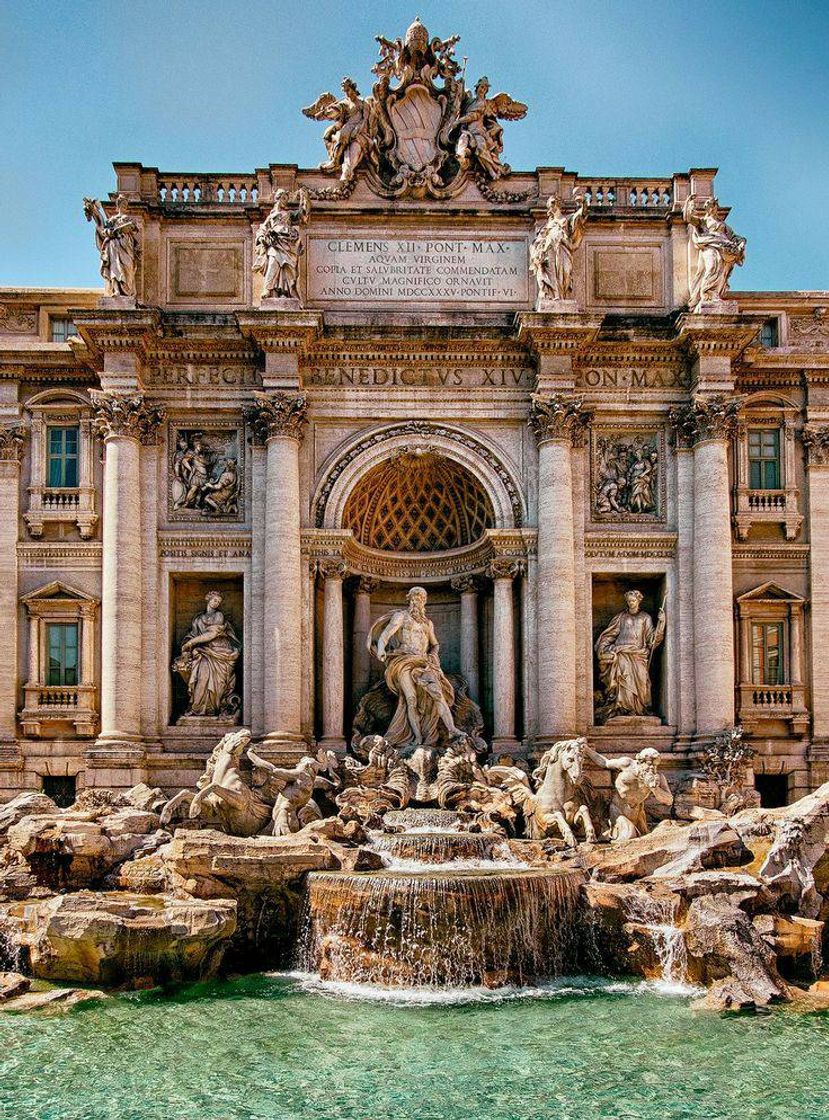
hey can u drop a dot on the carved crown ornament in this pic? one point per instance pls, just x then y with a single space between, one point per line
704 418
558 417
816 441
126 414
420 132
12 441
277 414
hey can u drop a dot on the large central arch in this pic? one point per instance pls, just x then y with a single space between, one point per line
349 464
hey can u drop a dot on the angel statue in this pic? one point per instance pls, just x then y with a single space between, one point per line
551 254
349 139
277 245
719 249
117 242
481 138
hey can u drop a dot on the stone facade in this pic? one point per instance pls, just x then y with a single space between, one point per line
409 416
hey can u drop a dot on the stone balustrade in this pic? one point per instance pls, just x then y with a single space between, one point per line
621 194
176 189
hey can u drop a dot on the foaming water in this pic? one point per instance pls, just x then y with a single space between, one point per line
430 850
567 987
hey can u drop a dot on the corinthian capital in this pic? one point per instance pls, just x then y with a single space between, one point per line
816 441
278 414
12 439
558 417
126 414
504 567
705 418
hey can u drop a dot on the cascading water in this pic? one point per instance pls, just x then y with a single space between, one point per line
443 927
657 917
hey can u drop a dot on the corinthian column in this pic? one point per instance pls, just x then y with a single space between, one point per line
502 571
708 424
559 422
816 440
278 419
469 633
332 570
125 421
12 439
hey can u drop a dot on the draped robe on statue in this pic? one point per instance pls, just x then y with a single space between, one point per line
624 650
214 649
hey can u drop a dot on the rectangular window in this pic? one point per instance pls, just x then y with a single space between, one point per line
767 661
62 652
770 334
61 328
63 457
764 458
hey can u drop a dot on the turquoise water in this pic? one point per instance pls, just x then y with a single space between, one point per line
276 1048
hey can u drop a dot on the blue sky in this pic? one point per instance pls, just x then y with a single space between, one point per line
614 88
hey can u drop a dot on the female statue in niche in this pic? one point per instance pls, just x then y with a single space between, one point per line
207 663
625 650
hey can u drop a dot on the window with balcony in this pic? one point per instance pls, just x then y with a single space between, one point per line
61 487
766 467
60 695
770 686
61 329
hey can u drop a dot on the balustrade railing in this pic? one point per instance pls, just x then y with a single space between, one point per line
767 499
61 499
199 190
636 194
53 697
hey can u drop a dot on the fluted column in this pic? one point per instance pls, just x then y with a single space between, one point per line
332 571
468 589
278 419
360 656
12 439
816 440
125 421
559 422
502 571
708 424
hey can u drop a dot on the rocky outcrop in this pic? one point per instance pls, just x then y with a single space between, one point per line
13 984
119 939
51 1001
74 850
671 849
732 955
26 805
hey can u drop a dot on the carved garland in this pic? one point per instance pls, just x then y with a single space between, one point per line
559 417
422 429
277 414
126 414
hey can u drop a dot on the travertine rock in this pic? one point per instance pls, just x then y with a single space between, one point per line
13 984
25 805
120 938
51 1000
796 943
144 874
672 849
209 864
71 851
728 947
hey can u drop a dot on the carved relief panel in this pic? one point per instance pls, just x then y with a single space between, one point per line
627 474
205 473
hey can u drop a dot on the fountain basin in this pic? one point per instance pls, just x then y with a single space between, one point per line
437 847
444 928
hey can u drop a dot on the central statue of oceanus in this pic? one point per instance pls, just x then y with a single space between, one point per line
405 642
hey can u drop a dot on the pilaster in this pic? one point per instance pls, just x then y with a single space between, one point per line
12 443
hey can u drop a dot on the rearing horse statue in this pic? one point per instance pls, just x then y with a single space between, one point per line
559 802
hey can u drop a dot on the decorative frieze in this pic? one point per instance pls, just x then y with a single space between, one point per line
559 417
17 319
628 474
277 414
704 418
12 441
126 414
809 332
204 546
630 546
816 441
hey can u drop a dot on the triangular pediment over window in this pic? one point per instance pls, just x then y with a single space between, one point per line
770 593
58 590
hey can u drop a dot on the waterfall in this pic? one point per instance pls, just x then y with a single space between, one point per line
442 929
417 851
657 917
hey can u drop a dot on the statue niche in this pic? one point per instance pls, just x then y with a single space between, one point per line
625 649
207 664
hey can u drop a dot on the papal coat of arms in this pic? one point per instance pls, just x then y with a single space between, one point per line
420 132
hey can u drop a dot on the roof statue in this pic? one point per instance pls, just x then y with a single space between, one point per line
420 132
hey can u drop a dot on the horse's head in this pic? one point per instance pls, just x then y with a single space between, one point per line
569 754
